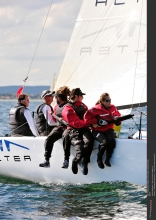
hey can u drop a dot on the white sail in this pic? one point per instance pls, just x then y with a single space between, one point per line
107 52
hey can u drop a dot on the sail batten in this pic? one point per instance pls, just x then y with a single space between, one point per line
107 53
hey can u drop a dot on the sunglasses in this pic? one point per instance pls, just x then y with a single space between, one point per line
25 100
107 100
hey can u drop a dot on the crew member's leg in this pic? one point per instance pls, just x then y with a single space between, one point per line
66 147
102 139
88 140
112 143
77 142
46 133
27 133
54 135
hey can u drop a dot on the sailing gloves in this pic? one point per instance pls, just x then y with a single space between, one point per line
102 122
117 123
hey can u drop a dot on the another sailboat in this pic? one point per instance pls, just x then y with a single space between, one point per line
107 53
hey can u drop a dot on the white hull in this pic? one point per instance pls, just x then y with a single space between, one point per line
128 162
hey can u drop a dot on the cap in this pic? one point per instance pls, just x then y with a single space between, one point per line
47 92
77 91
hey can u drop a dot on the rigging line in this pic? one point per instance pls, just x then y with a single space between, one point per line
135 124
137 55
141 112
17 127
38 42
140 101
142 93
2 134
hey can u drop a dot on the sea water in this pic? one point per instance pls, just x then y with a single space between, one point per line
21 199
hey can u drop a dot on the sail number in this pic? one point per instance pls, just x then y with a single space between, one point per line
116 2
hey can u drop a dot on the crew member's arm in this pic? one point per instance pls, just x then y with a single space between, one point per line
90 118
30 121
69 115
48 116
117 115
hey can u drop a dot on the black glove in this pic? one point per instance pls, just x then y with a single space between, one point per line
102 122
117 123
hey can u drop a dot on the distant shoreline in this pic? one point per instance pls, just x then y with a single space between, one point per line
16 99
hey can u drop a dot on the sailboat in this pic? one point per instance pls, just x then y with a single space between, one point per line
106 53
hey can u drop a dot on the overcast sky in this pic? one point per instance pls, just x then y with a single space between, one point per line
21 24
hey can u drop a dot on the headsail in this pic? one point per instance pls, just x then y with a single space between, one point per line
107 52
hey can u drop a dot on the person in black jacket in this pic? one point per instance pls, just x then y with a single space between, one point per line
44 120
21 120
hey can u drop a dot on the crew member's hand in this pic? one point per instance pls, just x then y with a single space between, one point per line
116 117
95 125
102 122
51 112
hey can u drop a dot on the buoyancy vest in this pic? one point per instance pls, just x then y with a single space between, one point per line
18 123
58 111
41 122
79 109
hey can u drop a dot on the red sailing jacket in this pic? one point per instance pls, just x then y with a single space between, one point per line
97 112
69 114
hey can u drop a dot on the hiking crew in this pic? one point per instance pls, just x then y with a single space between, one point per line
44 120
21 120
79 132
62 98
102 131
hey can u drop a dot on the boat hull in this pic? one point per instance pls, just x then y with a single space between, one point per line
20 158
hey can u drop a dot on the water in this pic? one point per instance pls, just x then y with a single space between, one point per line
21 199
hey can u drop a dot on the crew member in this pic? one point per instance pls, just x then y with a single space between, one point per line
80 135
99 116
21 120
44 120
61 96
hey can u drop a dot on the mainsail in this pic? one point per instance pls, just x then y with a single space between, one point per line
107 52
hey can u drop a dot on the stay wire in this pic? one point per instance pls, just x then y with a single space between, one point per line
136 67
137 55
37 44
142 93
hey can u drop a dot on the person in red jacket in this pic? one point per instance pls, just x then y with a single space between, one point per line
98 116
80 135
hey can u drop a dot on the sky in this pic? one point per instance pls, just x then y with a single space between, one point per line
33 42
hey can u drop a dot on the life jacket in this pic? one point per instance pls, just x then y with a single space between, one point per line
79 109
58 111
41 122
18 123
